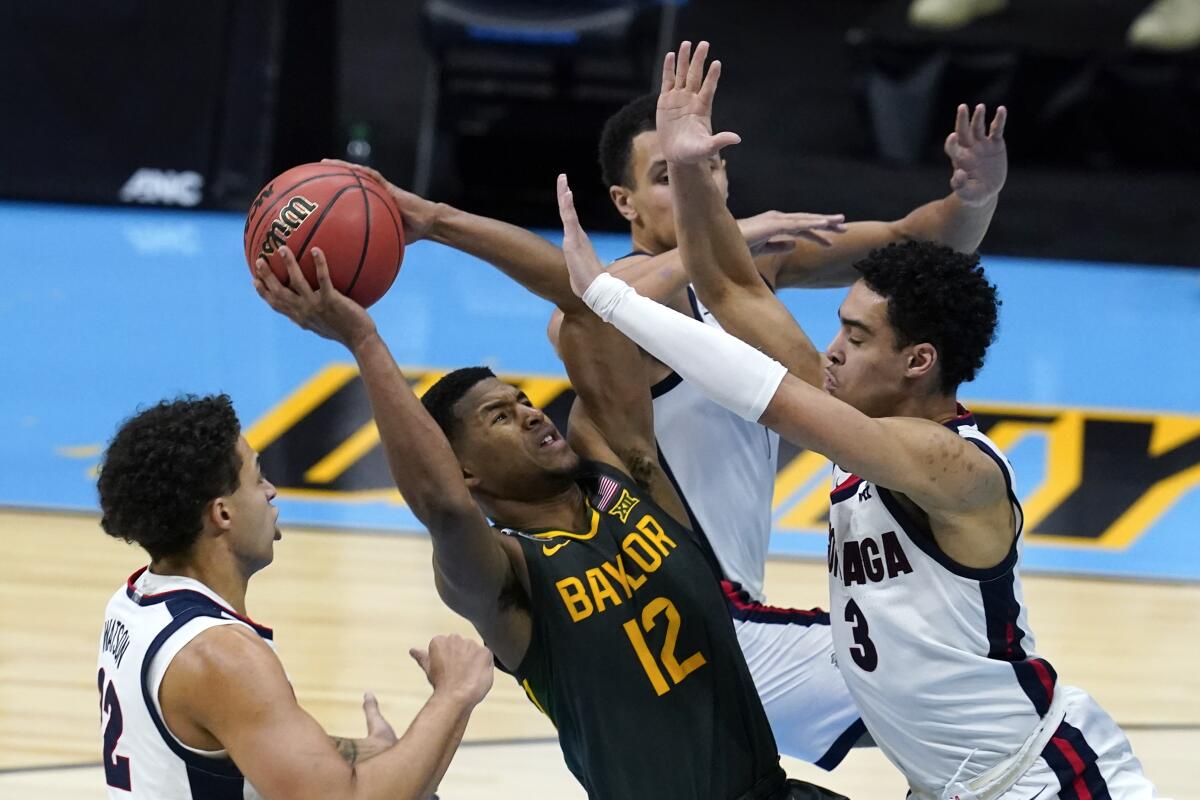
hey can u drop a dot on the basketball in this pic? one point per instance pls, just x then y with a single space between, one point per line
350 217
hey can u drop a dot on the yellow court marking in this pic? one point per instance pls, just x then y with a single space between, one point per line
802 469
299 404
359 443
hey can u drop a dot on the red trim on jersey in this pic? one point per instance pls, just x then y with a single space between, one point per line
159 595
1043 675
1072 757
742 602
853 480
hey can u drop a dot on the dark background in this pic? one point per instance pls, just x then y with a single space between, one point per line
842 108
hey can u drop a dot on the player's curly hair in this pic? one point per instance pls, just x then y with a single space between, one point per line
440 399
616 139
936 295
163 468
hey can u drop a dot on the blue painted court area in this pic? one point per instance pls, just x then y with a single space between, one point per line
1093 385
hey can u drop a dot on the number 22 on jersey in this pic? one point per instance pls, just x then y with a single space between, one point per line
676 670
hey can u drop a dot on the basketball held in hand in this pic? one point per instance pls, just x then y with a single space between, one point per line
350 217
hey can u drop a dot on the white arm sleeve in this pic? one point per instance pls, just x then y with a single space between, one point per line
723 367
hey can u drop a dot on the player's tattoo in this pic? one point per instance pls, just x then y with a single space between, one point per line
347 749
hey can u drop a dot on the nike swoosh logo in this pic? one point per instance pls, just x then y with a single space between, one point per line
551 549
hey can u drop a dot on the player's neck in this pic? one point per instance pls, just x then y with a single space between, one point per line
564 510
220 575
937 407
644 243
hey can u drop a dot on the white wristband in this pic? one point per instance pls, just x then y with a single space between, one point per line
726 369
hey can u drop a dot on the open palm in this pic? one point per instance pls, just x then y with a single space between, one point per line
684 117
978 155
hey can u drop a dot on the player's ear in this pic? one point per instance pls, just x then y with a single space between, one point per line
622 198
470 479
219 514
922 358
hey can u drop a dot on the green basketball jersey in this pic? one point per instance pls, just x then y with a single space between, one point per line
634 657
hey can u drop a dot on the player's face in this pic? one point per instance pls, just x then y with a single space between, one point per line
649 205
255 519
863 366
508 448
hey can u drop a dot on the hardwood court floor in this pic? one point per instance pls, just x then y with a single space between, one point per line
347 606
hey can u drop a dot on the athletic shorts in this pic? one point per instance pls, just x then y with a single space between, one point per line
1088 757
790 655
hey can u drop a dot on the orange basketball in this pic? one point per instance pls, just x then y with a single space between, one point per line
351 218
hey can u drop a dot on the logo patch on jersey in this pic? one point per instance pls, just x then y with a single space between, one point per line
865 492
624 506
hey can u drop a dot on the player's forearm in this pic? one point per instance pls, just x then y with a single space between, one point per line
711 244
522 255
413 767
423 466
949 221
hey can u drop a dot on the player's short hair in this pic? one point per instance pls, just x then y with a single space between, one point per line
163 467
936 295
616 139
441 398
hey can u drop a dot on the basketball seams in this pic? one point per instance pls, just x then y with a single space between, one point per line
362 257
390 205
268 211
299 251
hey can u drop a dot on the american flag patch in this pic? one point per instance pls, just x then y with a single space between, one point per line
605 493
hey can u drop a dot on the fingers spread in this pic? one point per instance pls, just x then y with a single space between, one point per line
682 64
695 73
962 125
668 76
709 87
997 131
978 122
323 280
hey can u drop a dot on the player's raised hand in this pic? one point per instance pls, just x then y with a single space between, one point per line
582 262
978 155
456 666
684 116
324 310
777 231
418 214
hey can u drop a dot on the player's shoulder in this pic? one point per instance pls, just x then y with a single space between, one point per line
232 650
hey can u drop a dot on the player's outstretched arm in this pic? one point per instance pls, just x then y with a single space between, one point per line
228 684
472 565
710 242
979 164
939 470
613 417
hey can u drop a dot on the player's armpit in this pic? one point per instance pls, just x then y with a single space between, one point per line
613 418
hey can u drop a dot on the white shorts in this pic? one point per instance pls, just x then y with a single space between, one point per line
1088 757
790 655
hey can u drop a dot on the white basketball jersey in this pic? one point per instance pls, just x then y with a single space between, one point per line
146 623
723 467
939 657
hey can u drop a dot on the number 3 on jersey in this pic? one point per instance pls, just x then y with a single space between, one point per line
116 768
677 671
863 651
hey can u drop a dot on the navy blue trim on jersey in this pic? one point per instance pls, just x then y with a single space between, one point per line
665 385
205 785
842 745
845 490
630 255
923 539
1074 764
1001 611
184 610
695 303
1008 487
743 607
191 596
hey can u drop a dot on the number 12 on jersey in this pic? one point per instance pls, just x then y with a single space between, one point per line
677 671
